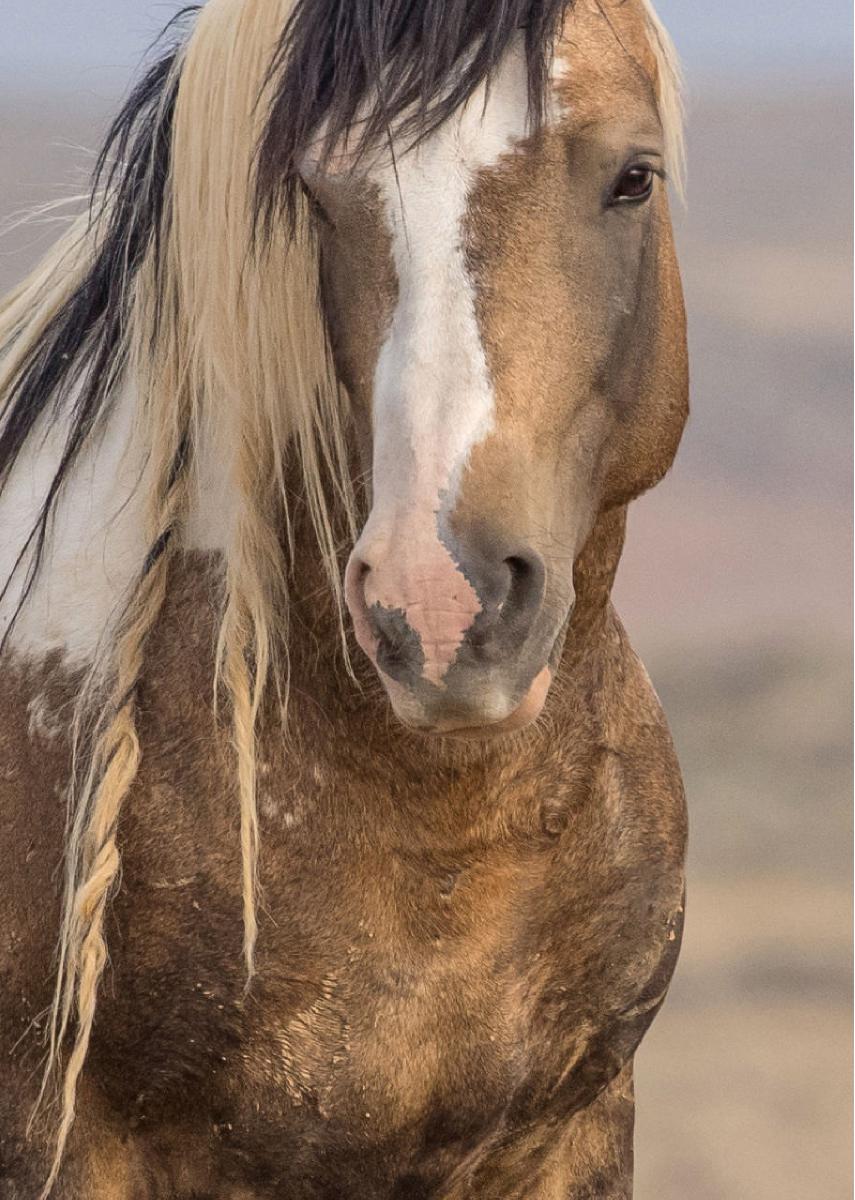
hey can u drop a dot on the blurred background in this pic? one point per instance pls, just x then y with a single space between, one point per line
735 584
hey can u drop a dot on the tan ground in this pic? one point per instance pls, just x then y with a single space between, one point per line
735 589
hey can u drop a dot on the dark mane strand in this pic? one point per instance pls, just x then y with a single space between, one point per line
80 354
401 67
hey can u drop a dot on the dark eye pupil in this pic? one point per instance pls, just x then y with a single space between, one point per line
634 183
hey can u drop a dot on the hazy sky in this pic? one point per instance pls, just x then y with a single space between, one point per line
101 39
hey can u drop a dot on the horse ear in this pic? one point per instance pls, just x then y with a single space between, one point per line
655 384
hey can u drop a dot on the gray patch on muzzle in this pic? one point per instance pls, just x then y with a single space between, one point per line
400 654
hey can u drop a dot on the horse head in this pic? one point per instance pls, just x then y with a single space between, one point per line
506 317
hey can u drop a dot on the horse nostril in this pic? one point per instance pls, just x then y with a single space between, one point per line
525 588
355 577
354 582
519 567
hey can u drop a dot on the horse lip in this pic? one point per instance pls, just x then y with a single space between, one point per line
522 714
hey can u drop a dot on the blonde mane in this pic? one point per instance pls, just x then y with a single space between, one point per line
228 347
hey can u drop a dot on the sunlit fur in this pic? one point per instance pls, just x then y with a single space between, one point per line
227 347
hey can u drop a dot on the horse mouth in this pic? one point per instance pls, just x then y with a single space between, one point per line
473 726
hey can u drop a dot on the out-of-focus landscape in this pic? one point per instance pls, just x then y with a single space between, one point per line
735 587
735 583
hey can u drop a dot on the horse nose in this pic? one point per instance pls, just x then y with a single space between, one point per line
474 603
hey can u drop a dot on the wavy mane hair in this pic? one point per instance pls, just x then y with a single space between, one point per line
195 272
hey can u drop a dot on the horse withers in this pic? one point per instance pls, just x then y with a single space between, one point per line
374 328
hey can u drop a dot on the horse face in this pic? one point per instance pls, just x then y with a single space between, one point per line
505 314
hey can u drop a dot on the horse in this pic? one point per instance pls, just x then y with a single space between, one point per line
343 835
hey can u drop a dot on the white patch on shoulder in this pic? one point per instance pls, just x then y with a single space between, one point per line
96 542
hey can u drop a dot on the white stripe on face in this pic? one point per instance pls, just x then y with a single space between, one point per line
433 398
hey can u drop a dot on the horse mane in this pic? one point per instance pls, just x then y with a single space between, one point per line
62 341
226 344
195 272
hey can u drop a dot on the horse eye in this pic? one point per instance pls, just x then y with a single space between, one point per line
634 185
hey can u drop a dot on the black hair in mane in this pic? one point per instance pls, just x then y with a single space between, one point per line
79 355
397 67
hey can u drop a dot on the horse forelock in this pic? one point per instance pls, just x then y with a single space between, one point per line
376 72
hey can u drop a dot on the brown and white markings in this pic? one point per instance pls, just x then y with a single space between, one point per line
386 291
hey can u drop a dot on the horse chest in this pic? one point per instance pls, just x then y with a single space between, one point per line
389 994
380 1046
407 991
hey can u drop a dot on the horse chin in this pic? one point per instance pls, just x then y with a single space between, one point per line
470 728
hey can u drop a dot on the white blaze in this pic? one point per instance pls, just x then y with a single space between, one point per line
433 398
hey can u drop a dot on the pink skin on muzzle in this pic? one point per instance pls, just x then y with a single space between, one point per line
412 571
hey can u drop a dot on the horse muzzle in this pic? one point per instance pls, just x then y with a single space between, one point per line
453 627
